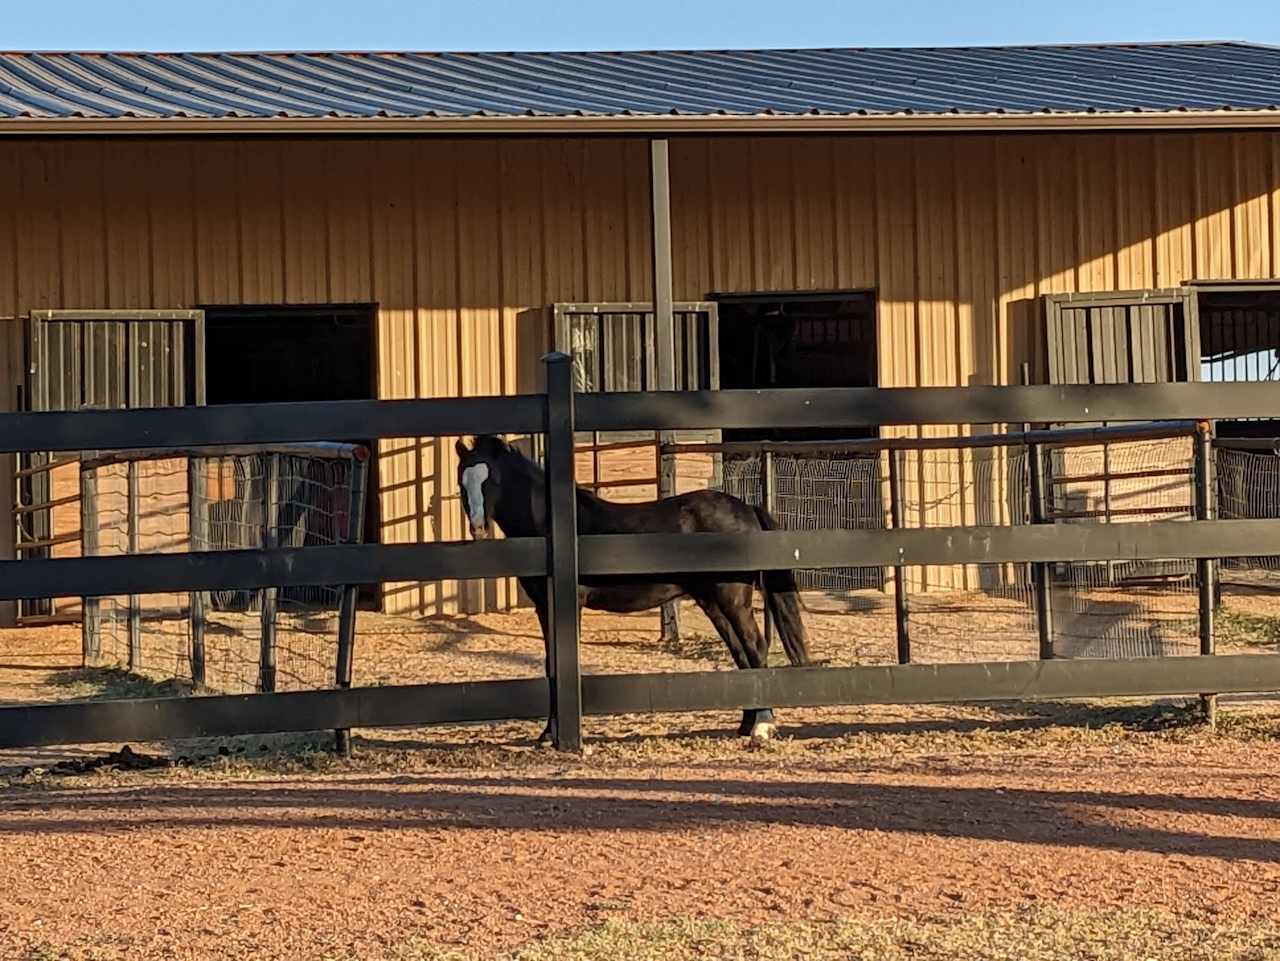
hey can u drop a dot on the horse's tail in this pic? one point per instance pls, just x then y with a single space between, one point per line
782 598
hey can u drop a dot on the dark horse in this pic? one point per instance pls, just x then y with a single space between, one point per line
501 486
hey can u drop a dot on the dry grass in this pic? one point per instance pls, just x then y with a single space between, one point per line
1034 935
113 683
1246 628
1037 934
893 737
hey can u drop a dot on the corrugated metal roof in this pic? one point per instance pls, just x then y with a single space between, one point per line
1073 79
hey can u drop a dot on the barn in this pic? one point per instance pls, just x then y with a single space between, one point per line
229 228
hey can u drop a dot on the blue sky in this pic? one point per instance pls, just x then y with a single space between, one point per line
610 24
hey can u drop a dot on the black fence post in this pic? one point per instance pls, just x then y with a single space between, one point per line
562 544
90 617
1042 572
135 602
1206 570
1029 569
669 613
351 592
270 540
901 608
198 511
768 500
664 329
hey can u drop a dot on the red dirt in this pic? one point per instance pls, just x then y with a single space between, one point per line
479 843
363 864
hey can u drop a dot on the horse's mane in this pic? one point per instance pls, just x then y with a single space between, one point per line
495 448
492 447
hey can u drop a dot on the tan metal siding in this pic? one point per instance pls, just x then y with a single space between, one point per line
1273 186
1251 215
10 348
461 242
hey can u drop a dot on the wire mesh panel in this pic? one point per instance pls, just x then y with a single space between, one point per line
291 497
1124 608
140 507
981 612
972 612
1248 486
824 492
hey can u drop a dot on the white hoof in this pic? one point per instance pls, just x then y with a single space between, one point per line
763 730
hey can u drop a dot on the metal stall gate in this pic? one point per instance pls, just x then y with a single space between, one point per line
613 347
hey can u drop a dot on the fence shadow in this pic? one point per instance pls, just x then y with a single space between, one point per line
1090 819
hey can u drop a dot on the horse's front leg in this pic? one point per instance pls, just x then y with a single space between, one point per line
536 588
548 735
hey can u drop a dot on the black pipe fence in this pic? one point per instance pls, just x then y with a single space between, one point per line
563 556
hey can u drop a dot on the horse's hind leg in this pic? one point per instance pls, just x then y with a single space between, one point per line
735 601
736 650
739 648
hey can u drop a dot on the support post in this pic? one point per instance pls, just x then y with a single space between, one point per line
901 608
1206 568
1106 504
664 328
198 510
350 592
90 616
135 602
663 315
1026 429
562 544
270 521
670 611
41 521
768 500
1041 571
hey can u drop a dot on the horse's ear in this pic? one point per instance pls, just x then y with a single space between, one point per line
460 446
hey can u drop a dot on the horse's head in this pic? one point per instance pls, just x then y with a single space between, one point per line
480 481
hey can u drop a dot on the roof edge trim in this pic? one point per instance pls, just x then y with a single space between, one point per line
135 126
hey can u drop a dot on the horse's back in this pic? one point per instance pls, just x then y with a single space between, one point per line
701 511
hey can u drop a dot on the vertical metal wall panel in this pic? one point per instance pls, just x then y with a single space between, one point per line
1215 187
392 256
1135 212
1017 271
1272 187
1174 226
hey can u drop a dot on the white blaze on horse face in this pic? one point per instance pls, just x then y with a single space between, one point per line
473 479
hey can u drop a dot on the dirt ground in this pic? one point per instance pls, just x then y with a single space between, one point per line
1001 831
467 843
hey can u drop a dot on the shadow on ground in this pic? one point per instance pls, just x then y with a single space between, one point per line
1105 820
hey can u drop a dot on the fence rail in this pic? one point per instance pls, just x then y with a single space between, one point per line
563 557
237 424
1067 437
601 555
612 694
875 407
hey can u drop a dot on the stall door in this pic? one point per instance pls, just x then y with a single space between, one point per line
1140 337
103 360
